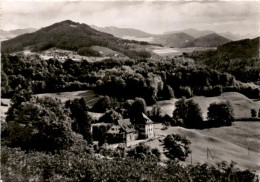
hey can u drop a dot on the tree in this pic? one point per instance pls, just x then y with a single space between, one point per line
253 113
82 120
17 100
138 107
102 104
110 116
189 112
220 114
178 147
40 124
156 114
167 92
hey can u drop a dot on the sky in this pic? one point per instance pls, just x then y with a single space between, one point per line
150 16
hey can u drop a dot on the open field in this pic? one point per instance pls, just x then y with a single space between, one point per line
241 104
89 95
239 143
172 52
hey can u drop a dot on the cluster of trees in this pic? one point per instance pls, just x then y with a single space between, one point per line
254 113
188 114
45 124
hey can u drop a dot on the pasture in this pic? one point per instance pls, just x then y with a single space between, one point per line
241 104
239 143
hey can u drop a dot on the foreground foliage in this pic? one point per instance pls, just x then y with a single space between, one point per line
77 165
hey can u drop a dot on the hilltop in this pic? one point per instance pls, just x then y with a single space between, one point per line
211 40
174 40
68 35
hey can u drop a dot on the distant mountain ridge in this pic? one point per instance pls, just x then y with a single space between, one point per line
68 35
183 38
211 40
5 35
193 32
122 32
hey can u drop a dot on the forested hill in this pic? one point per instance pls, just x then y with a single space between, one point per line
240 58
68 35
211 40
244 49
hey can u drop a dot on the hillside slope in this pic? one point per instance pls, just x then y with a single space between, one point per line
241 104
239 143
211 40
239 58
67 35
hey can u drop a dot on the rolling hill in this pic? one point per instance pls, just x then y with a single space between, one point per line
241 104
67 35
211 40
174 40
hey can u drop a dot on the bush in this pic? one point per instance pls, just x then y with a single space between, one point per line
220 114
178 147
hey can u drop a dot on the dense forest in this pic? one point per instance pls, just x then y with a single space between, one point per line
239 58
124 79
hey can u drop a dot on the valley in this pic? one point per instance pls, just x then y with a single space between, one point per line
78 100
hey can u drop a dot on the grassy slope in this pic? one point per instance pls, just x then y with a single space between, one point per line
241 104
225 143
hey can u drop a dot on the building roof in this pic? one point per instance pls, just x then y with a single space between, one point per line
125 126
